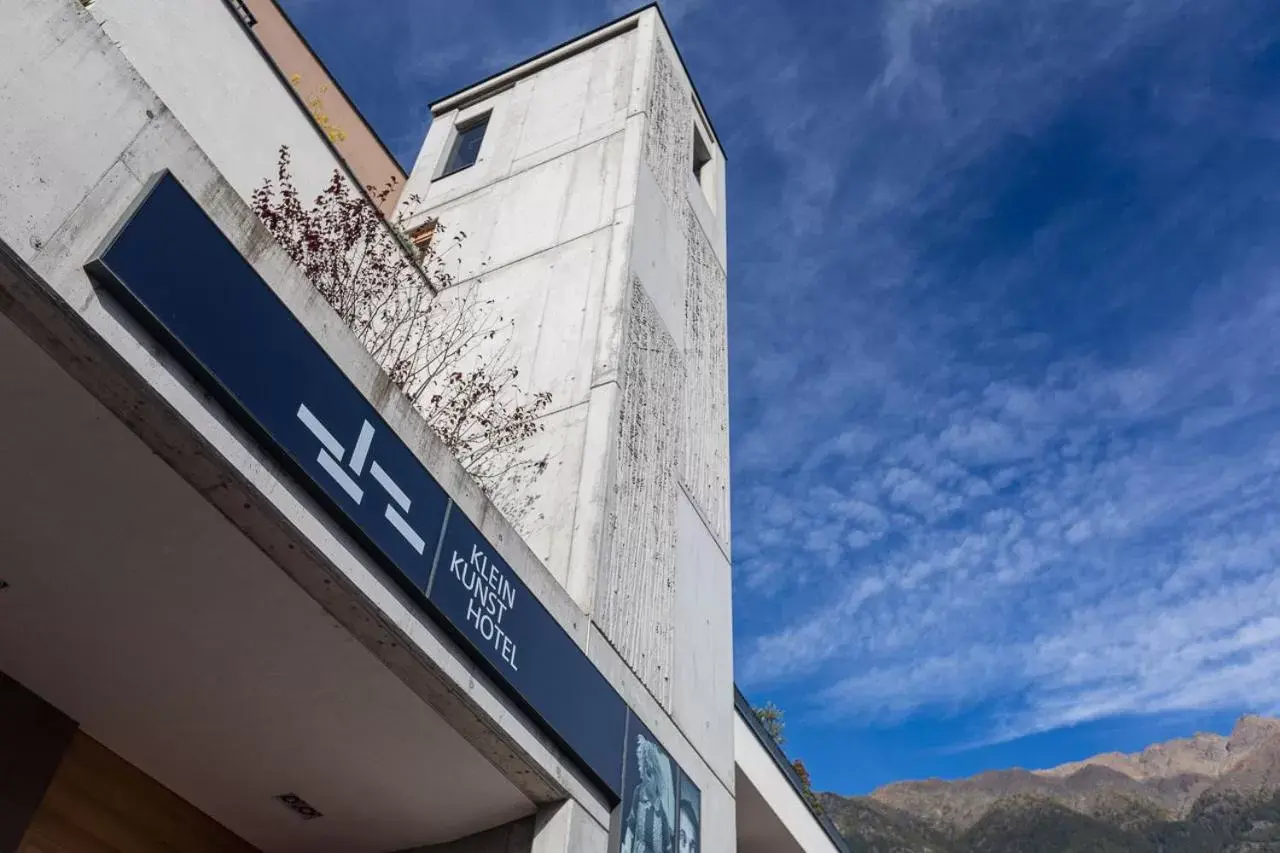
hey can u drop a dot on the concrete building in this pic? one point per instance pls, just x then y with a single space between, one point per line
586 223
248 600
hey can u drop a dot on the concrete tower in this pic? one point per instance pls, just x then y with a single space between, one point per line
590 185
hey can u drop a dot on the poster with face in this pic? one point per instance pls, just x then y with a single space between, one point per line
649 795
689 817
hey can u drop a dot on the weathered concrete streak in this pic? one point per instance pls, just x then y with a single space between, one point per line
705 461
636 592
668 139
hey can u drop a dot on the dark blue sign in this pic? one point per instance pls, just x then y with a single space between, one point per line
172 267
476 591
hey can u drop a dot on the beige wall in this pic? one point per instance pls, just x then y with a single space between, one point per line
372 164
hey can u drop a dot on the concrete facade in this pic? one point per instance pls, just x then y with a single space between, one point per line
58 199
585 220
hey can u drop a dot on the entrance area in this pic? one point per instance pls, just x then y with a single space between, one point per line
206 693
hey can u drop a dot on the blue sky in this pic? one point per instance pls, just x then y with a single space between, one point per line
1005 353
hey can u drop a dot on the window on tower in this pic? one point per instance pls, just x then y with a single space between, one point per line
704 169
465 149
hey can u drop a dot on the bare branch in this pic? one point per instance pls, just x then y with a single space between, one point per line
451 355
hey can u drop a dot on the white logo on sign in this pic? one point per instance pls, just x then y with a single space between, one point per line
330 460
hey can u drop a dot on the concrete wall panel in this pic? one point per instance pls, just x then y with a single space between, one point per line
609 91
68 136
538 120
468 227
703 619
593 188
554 300
563 828
613 315
548 523
659 253
556 104
593 490
198 59
532 211
530 207
637 577
719 821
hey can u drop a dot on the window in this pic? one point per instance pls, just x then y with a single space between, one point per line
466 145
701 156
704 170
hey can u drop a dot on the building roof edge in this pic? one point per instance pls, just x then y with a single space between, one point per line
748 714
605 31
336 84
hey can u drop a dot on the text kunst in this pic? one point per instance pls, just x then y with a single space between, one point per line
493 596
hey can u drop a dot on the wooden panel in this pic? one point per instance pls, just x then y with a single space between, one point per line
99 803
33 738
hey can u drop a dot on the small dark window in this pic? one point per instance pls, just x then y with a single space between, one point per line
701 155
466 145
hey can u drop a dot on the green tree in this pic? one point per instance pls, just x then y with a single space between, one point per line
806 787
770 716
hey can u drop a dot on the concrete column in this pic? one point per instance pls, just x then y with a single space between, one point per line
567 828
33 737
562 827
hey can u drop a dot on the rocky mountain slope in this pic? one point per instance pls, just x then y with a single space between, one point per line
1204 794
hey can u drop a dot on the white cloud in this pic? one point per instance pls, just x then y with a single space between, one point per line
1076 525
983 441
1115 576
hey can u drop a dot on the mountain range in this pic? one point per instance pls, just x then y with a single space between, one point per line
1208 793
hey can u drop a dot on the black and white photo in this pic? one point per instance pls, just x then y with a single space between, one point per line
689 817
649 807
